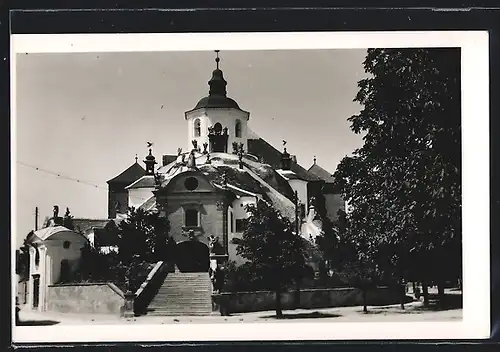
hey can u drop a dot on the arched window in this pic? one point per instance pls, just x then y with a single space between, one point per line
197 128
237 129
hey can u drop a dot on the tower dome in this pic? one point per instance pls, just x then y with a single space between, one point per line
217 120
217 95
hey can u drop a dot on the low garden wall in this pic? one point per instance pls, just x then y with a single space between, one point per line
98 298
311 298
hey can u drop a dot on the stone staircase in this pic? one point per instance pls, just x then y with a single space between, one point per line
183 294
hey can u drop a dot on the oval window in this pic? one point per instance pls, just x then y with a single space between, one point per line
191 183
66 244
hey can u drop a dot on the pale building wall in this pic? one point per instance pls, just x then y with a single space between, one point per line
209 117
239 212
301 187
52 253
210 217
137 196
37 270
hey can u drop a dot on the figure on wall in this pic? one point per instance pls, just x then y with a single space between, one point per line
117 206
191 235
55 220
214 245
218 138
191 163
240 156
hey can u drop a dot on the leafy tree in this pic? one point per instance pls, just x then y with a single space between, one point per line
274 251
142 240
348 257
144 234
404 183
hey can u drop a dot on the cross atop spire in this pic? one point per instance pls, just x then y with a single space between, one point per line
217 59
136 158
217 83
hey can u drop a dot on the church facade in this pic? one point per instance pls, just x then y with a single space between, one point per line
203 189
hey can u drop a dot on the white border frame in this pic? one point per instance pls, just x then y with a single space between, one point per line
475 152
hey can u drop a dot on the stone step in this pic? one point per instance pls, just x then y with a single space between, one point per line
177 313
172 286
186 293
183 294
181 309
163 300
190 291
186 284
206 298
190 282
183 298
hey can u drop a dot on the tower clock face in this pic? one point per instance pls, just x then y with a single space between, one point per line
191 183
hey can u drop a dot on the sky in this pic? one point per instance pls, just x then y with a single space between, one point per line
85 116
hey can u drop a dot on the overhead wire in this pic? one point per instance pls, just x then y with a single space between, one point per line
68 178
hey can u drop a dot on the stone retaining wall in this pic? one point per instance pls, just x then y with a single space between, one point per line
98 298
309 299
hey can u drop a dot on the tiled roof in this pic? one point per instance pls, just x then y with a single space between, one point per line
86 225
148 204
146 181
272 156
45 233
167 159
236 177
284 205
129 175
321 173
271 177
288 175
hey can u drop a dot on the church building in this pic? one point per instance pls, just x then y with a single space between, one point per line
204 187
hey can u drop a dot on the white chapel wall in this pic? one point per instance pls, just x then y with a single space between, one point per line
301 187
238 211
137 196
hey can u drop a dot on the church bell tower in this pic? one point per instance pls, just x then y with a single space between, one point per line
217 120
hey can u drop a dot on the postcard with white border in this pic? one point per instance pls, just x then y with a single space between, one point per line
250 186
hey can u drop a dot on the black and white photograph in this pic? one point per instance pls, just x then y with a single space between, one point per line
215 186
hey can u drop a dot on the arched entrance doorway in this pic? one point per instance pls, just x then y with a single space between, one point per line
192 257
